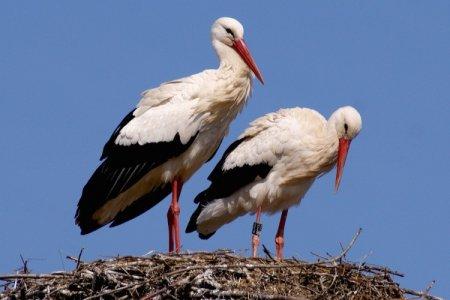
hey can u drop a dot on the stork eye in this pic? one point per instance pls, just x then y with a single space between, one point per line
346 127
229 31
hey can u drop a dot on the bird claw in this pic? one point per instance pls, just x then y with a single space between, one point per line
255 244
279 243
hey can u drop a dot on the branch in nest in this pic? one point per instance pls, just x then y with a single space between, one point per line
345 251
114 291
248 295
424 294
33 276
267 253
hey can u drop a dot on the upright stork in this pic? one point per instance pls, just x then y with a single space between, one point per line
173 131
271 167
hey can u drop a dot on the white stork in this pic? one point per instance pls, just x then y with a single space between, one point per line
174 129
271 167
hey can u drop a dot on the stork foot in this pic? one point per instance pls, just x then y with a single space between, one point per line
173 217
170 224
176 227
256 231
279 243
255 244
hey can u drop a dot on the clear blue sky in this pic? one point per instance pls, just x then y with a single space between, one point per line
70 72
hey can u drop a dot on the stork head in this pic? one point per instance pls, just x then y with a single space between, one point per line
228 39
347 122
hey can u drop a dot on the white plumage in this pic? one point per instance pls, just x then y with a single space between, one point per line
274 163
174 129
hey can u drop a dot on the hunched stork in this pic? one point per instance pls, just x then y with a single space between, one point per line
271 167
174 129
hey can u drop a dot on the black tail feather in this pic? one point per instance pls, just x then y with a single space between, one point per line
202 197
84 215
87 224
192 224
205 236
202 200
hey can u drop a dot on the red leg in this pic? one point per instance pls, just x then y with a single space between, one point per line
173 217
170 223
176 186
279 238
257 226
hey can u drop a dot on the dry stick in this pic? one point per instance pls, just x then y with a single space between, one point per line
25 264
430 286
190 253
425 294
345 251
72 258
164 289
171 296
114 291
253 295
332 282
33 276
76 259
362 263
371 268
267 252
79 259
319 256
56 290
420 294
156 293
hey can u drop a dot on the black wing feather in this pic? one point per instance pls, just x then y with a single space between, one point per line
218 168
225 183
110 143
141 205
123 166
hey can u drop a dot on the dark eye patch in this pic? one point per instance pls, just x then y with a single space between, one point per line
346 127
228 30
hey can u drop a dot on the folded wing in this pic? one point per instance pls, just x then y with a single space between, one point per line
146 138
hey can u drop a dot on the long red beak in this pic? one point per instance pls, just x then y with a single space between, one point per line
242 49
344 145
